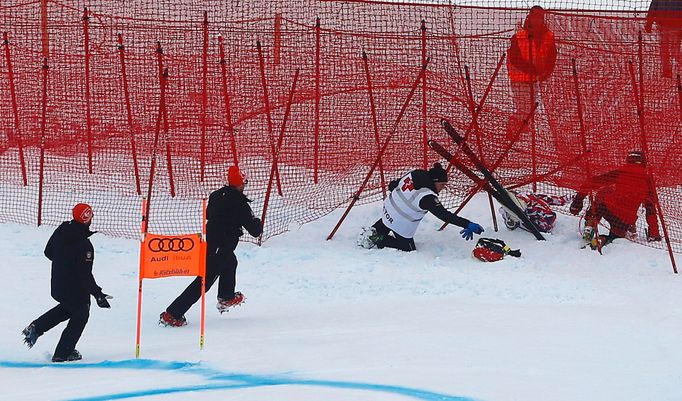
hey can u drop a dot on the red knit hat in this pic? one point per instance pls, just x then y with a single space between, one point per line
235 177
82 213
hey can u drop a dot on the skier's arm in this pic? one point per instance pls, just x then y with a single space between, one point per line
392 185
433 205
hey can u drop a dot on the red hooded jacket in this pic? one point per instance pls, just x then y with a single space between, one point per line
623 191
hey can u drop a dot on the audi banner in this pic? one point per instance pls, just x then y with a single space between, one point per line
166 256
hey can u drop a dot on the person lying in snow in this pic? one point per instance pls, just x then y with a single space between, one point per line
537 207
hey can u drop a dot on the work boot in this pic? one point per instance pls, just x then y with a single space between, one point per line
73 356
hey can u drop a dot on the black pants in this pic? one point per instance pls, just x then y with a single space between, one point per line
396 241
221 265
76 313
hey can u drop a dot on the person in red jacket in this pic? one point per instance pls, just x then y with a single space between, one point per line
620 193
531 58
667 15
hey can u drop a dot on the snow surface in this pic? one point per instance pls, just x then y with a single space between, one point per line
327 320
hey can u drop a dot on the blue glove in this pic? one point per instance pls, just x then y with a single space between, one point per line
468 233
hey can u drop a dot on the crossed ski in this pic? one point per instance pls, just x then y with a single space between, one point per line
489 184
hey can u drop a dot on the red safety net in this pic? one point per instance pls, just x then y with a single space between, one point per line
109 102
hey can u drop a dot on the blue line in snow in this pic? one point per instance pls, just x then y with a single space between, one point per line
226 381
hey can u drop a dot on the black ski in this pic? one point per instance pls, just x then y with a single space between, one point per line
499 192
485 185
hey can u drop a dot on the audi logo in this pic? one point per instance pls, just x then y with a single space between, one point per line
171 244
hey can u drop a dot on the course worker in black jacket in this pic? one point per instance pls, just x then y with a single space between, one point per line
227 213
72 255
412 196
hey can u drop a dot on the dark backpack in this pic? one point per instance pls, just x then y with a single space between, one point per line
492 250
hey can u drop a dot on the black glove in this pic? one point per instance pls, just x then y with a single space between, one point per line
102 300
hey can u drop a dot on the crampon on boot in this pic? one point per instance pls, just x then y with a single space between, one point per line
225 304
167 320
30 334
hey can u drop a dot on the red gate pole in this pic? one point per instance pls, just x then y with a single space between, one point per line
652 182
129 113
287 111
88 121
640 56
455 46
204 100
203 277
316 148
533 138
472 110
356 195
226 100
679 93
583 141
479 143
143 234
277 40
157 131
43 128
266 100
15 108
474 119
44 31
373 109
533 145
167 136
425 140
474 124
163 84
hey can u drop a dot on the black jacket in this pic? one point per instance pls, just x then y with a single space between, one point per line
71 252
422 179
227 212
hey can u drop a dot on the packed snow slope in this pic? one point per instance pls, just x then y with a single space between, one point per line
327 320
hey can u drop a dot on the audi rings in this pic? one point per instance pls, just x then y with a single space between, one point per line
177 244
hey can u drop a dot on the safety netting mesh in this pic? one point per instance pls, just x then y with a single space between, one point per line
110 102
